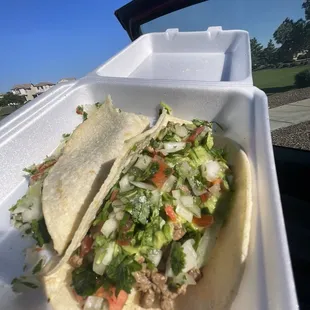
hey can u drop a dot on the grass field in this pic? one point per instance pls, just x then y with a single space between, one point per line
276 80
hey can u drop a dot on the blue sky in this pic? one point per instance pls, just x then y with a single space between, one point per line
48 40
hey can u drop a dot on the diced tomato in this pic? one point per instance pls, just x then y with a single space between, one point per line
217 181
122 242
194 135
78 298
114 194
115 303
170 212
38 249
204 197
37 176
123 237
46 165
204 221
79 110
86 245
160 177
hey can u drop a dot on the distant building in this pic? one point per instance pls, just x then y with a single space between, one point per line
43 86
30 90
71 79
1 95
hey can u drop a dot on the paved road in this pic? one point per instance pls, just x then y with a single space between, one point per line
290 114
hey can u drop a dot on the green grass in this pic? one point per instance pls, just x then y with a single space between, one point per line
276 80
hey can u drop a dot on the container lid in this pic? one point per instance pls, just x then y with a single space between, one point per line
214 55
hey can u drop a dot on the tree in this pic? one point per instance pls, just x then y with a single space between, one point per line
9 98
306 6
257 51
292 37
270 53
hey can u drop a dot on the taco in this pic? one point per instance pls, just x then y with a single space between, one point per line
63 186
172 216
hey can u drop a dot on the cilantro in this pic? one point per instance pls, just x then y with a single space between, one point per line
85 115
31 170
101 242
84 281
147 239
218 154
98 104
141 209
103 215
134 148
166 107
37 268
120 270
171 137
152 168
154 143
199 123
167 198
168 171
177 258
66 135
39 232
79 110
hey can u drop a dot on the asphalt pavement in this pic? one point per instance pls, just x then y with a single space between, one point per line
290 125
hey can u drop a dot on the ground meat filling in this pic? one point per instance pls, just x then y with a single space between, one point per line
178 231
152 285
147 299
76 261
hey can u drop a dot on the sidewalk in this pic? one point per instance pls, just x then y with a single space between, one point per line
289 114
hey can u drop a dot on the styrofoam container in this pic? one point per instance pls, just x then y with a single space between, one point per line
267 282
214 55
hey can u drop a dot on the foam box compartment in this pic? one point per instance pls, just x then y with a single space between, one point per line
214 55
243 111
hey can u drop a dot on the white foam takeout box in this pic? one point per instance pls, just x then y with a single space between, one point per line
203 74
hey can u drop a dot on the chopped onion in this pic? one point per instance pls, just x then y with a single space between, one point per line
117 204
143 185
171 147
168 185
189 279
176 194
215 189
93 303
119 215
155 197
109 227
196 191
210 170
195 210
103 258
206 244
181 130
183 212
155 256
143 162
187 201
190 255
112 215
34 212
187 170
124 184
